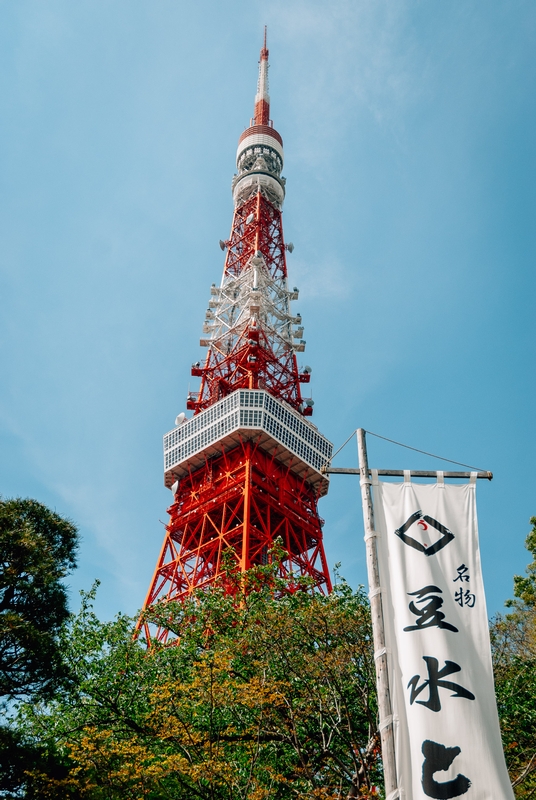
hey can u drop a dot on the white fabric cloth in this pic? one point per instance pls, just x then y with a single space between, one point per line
447 737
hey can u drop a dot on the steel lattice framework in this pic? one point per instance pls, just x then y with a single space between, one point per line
245 469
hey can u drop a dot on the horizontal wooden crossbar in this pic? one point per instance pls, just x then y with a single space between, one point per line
399 473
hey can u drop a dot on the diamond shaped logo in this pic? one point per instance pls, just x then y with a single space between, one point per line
424 522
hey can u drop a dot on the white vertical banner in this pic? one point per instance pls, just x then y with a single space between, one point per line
447 737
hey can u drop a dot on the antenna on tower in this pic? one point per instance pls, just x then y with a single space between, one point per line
262 98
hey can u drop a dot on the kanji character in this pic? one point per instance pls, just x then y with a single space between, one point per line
465 598
429 615
434 682
461 576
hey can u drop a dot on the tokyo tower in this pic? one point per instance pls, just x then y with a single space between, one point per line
245 468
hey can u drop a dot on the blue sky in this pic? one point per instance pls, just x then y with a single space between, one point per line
411 173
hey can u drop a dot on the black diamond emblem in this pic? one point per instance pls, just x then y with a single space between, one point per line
446 535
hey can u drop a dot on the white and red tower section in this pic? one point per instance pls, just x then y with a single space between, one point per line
245 469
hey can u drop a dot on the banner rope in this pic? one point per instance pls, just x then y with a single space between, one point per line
328 462
407 446
416 449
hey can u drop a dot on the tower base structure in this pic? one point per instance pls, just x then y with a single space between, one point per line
238 493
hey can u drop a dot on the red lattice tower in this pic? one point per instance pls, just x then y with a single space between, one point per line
245 469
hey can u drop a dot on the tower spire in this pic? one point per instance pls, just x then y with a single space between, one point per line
262 98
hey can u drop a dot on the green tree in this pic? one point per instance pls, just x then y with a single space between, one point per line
37 550
525 587
513 639
265 693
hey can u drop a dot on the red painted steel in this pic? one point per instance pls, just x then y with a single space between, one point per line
239 502
244 499
264 130
252 363
262 112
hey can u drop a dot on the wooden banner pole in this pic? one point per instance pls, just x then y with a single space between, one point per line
378 634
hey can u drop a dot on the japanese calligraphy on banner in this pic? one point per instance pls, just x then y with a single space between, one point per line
446 728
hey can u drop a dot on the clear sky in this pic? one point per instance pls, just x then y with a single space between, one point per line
409 130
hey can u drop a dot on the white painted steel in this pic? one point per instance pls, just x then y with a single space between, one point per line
262 85
253 296
259 139
252 182
247 414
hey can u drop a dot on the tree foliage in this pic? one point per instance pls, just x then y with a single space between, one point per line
525 587
265 693
513 638
37 549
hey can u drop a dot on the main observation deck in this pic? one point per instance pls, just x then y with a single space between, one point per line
248 414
